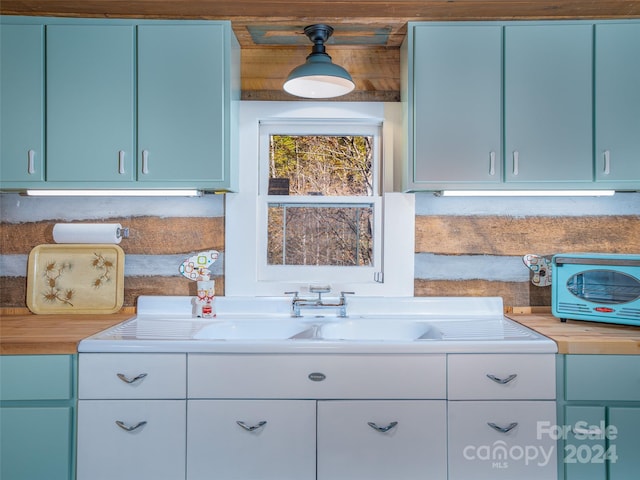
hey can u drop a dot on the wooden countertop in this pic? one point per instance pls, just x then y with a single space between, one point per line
579 337
28 334
25 333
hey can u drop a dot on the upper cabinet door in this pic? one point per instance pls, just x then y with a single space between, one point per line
457 91
22 102
617 77
181 104
548 103
90 103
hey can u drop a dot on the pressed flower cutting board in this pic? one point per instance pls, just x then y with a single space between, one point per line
75 278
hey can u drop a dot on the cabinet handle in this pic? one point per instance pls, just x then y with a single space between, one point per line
492 163
121 170
31 162
382 429
130 428
135 379
502 381
516 162
500 429
607 162
145 162
586 431
251 428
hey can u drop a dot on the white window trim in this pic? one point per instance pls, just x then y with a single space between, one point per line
243 210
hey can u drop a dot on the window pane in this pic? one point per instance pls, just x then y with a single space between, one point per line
308 234
320 165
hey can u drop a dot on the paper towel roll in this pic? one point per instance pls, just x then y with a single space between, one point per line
87 233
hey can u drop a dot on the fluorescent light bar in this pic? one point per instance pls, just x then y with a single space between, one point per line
114 193
527 193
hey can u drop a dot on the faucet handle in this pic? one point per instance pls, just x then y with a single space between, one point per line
342 294
294 293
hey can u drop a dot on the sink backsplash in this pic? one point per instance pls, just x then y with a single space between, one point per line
464 247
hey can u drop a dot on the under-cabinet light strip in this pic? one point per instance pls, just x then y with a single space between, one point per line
526 193
114 193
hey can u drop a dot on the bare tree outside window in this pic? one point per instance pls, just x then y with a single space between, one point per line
320 233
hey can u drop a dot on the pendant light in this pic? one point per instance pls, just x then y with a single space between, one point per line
318 77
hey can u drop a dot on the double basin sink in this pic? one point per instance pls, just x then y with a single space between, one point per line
345 329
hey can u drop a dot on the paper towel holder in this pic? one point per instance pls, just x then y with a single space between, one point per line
122 232
89 232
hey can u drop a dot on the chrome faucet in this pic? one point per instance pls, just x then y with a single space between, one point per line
318 303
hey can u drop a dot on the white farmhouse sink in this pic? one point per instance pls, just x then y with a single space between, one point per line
377 330
250 330
374 325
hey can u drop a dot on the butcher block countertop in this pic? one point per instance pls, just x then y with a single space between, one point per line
579 337
29 334
23 333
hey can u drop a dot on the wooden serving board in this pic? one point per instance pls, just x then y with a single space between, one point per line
75 278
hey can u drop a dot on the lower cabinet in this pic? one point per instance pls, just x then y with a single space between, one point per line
37 417
316 416
501 440
499 406
265 439
382 440
131 439
354 439
600 412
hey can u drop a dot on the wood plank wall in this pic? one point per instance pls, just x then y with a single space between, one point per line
475 246
163 232
463 246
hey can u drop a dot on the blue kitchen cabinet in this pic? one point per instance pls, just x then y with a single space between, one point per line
499 105
90 103
185 104
599 411
37 417
617 108
455 93
548 90
21 105
139 104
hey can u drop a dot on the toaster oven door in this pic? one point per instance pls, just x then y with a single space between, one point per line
604 286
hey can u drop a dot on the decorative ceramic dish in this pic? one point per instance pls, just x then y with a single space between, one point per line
75 278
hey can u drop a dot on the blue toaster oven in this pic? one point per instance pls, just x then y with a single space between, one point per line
596 287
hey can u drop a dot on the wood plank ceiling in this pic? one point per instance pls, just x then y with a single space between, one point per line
367 37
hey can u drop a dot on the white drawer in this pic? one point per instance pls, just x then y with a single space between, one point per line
502 376
134 376
317 376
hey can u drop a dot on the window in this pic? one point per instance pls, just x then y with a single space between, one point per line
320 200
330 221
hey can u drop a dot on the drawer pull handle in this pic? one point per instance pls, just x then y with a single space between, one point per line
500 429
251 428
128 380
502 381
130 428
382 429
586 431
